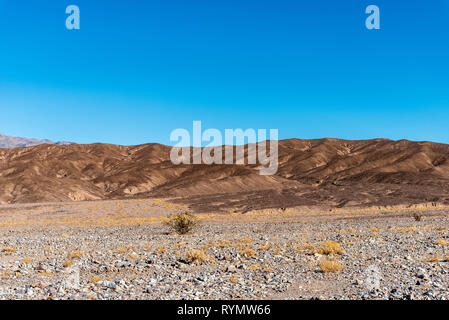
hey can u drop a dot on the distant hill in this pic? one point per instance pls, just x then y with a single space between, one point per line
17 142
323 172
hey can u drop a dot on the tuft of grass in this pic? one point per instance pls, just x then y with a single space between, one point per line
182 223
161 251
330 247
9 250
417 216
234 279
198 257
26 260
349 230
68 263
406 229
76 254
247 252
254 268
442 242
133 256
327 266
123 250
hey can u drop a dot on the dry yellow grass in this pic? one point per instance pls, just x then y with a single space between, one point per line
68 263
330 247
76 254
442 242
224 244
133 256
330 266
26 260
268 269
234 279
9 250
254 267
245 240
161 251
326 248
123 250
406 229
248 252
349 230
266 246
197 257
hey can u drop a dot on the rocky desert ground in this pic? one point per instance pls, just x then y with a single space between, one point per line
121 249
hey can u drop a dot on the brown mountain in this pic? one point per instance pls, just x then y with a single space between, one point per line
324 172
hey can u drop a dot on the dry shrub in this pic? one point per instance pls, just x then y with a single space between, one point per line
330 266
76 255
68 263
417 216
9 250
330 247
182 223
198 257
123 250
442 242
254 268
234 279
247 252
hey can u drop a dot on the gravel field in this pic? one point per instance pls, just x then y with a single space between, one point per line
367 257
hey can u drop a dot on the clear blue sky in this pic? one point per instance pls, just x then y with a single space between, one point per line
139 69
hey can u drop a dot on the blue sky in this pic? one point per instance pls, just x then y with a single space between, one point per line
139 69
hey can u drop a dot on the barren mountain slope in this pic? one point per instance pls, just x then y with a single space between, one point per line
324 172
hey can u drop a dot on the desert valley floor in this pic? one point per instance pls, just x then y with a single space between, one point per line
120 249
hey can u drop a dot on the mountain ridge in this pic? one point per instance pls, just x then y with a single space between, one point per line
318 172
10 142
